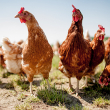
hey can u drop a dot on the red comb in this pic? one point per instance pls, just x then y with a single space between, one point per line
74 8
21 10
101 27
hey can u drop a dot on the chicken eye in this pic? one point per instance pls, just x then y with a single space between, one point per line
24 13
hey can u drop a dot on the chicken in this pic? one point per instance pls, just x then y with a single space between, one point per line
2 61
87 36
20 42
75 51
107 51
98 51
56 48
104 79
37 53
13 57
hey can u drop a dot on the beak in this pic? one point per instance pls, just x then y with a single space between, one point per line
103 33
17 16
73 14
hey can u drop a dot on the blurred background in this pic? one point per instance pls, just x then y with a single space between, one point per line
54 17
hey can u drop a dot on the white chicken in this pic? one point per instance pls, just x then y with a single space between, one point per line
13 57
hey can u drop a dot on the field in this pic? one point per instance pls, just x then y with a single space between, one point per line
14 93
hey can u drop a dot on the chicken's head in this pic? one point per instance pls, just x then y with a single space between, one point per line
23 15
100 33
103 81
76 14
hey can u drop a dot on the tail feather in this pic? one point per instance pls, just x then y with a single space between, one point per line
87 36
6 44
12 55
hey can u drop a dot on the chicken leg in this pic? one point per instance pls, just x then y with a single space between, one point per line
31 92
48 84
77 88
70 85
86 83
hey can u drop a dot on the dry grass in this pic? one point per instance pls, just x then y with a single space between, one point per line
101 102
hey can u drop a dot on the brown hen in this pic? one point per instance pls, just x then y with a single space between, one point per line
37 53
104 79
98 51
107 51
2 61
75 51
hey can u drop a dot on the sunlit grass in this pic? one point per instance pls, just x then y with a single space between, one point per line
101 102
56 75
55 62
21 97
32 99
24 106
53 96
1 68
23 85
60 81
100 69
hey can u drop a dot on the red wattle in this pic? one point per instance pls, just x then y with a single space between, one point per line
75 19
22 20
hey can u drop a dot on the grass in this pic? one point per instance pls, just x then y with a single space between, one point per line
24 106
9 85
23 85
0 81
55 62
60 107
101 102
56 75
21 97
1 69
99 69
53 96
5 75
14 93
44 82
96 90
59 81
32 99
76 107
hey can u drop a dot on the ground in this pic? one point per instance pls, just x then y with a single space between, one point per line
14 93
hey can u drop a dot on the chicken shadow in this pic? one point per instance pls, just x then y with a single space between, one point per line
55 96
96 91
8 86
5 74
